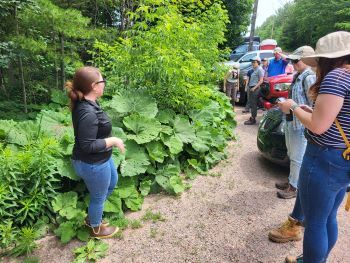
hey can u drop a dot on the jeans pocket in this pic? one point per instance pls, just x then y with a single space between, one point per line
338 176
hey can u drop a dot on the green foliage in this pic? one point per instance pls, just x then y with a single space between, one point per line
298 22
71 217
25 244
175 56
93 251
31 260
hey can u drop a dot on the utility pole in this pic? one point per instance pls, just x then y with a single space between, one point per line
252 27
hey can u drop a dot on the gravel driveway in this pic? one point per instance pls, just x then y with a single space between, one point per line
220 219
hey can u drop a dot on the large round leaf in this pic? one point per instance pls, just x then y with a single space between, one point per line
183 129
135 102
156 151
136 160
144 129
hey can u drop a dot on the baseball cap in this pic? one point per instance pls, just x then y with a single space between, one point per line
301 52
256 59
264 59
277 50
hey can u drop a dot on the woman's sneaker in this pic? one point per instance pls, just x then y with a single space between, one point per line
103 231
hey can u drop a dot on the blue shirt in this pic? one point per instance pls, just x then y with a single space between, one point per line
336 82
276 67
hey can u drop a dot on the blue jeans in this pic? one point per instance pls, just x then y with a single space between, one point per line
100 180
296 145
324 177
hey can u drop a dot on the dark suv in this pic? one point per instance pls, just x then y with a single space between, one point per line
239 51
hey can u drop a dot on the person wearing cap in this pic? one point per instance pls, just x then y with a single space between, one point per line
294 130
291 230
277 65
255 80
325 170
231 84
265 65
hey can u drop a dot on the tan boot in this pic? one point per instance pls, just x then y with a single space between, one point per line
102 231
289 231
293 259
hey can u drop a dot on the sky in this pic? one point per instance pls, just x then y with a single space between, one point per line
267 8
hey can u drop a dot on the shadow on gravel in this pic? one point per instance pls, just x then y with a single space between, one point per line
256 168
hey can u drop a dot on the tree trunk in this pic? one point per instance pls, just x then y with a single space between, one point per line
252 28
2 84
63 76
24 91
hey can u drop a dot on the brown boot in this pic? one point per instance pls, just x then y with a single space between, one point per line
282 186
288 193
289 231
251 121
87 222
103 231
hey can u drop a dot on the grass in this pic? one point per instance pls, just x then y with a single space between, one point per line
134 224
149 215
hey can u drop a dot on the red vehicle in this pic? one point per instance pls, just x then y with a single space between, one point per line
278 87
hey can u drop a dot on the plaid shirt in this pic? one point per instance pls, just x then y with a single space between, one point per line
300 88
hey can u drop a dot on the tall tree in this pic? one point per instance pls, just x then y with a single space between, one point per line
239 12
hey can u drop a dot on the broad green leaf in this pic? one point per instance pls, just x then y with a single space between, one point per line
136 160
198 166
145 187
64 201
202 141
134 201
135 102
183 129
166 116
66 231
156 151
174 143
113 203
65 169
176 184
83 234
144 129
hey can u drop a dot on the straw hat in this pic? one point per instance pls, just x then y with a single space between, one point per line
333 45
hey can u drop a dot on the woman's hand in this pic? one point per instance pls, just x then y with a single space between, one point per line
306 108
115 142
285 106
119 144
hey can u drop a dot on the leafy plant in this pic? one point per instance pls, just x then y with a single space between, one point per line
93 251
135 224
26 242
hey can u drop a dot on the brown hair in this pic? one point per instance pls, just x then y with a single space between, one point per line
324 66
81 84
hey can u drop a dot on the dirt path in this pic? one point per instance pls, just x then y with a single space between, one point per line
221 219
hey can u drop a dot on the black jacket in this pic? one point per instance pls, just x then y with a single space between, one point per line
91 127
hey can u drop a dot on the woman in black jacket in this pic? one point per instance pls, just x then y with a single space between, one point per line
93 145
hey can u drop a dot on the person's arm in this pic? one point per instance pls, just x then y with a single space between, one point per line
87 133
307 83
261 79
322 117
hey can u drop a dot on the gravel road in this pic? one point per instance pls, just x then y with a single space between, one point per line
220 219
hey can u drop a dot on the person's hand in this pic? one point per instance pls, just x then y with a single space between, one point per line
285 106
306 108
119 144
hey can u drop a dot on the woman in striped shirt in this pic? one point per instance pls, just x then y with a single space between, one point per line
324 173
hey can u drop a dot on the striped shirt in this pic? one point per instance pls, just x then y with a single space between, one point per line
336 82
299 90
